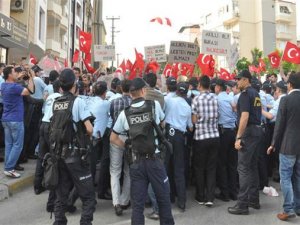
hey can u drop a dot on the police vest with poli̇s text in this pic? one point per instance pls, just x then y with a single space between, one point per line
65 134
141 131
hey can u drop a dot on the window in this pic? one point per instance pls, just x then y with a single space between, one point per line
77 32
78 10
41 25
284 9
281 45
282 28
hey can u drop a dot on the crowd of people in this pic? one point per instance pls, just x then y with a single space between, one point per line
222 135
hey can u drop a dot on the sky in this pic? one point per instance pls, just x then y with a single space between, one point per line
136 30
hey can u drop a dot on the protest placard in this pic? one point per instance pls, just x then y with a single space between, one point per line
183 52
157 52
215 43
104 53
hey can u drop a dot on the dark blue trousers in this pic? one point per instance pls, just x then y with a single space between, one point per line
142 173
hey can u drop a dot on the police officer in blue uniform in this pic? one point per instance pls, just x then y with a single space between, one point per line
178 118
227 160
248 140
146 166
68 145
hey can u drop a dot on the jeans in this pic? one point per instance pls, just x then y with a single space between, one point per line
14 136
152 197
289 169
116 161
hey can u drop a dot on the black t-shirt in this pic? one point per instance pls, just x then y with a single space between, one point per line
249 101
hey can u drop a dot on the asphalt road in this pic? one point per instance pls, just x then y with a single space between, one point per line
26 208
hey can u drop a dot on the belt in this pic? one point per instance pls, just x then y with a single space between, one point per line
171 130
139 156
225 128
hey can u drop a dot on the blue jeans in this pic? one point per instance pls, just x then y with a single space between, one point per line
14 137
289 169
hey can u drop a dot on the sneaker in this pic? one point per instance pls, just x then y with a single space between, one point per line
153 216
118 210
12 173
209 204
200 202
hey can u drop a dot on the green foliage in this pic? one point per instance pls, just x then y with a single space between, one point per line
256 55
242 64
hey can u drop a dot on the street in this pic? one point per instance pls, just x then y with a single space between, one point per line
26 208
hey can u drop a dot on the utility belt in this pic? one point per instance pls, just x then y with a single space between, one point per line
71 154
222 129
171 131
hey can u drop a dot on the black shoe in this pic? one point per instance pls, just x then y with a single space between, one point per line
118 210
222 197
71 208
236 210
153 216
105 196
19 168
254 205
298 214
50 208
39 190
23 160
124 207
181 207
32 157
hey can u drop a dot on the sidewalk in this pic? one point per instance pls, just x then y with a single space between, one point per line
10 186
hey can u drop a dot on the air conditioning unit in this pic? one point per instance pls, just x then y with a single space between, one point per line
17 5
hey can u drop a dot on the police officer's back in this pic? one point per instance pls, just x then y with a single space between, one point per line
69 128
146 166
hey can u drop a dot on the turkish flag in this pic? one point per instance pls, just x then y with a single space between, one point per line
32 59
206 64
123 67
253 69
224 74
232 76
152 66
158 19
138 66
128 64
187 69
291 53
168 22
57 65
261 65
167 70
85 41
76 56
66 63
274 59
87 63
175 70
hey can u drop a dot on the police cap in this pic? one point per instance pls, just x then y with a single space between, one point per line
182 88
67 77
171 81
137 84
244 74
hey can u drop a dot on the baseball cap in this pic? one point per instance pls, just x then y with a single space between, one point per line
137 84
171 81
231 83
282 85
116 81
244 74
182 87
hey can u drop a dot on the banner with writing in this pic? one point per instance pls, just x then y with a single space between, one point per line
157 52
104 53
183 52
215 43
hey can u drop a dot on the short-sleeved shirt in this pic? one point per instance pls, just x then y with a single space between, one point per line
39 88
178 113
48 107
100 110
13 106
193 92
205 107
48 90
249 101
275 108
121 125
227 117
80 110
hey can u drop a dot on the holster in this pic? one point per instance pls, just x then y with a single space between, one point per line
128 152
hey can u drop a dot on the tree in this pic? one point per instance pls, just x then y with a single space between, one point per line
256 55
242 64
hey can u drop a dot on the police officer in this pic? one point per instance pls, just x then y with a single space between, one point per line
227 160
247 143
146 166
72 168
178 118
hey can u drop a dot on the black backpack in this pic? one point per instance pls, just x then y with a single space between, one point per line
61 133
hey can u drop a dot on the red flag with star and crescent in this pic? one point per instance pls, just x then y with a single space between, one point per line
274 59
85 41
87 63
291 53
138 66
167 70
206 64
262 65
224 74
32 59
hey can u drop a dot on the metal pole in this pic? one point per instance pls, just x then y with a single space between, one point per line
112 34
73 32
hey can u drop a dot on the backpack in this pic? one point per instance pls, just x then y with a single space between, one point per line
61 134
141 131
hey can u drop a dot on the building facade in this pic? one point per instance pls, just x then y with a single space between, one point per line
262 24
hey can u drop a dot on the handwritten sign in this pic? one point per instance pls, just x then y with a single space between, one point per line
216 43
183 52
104 53
157 52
